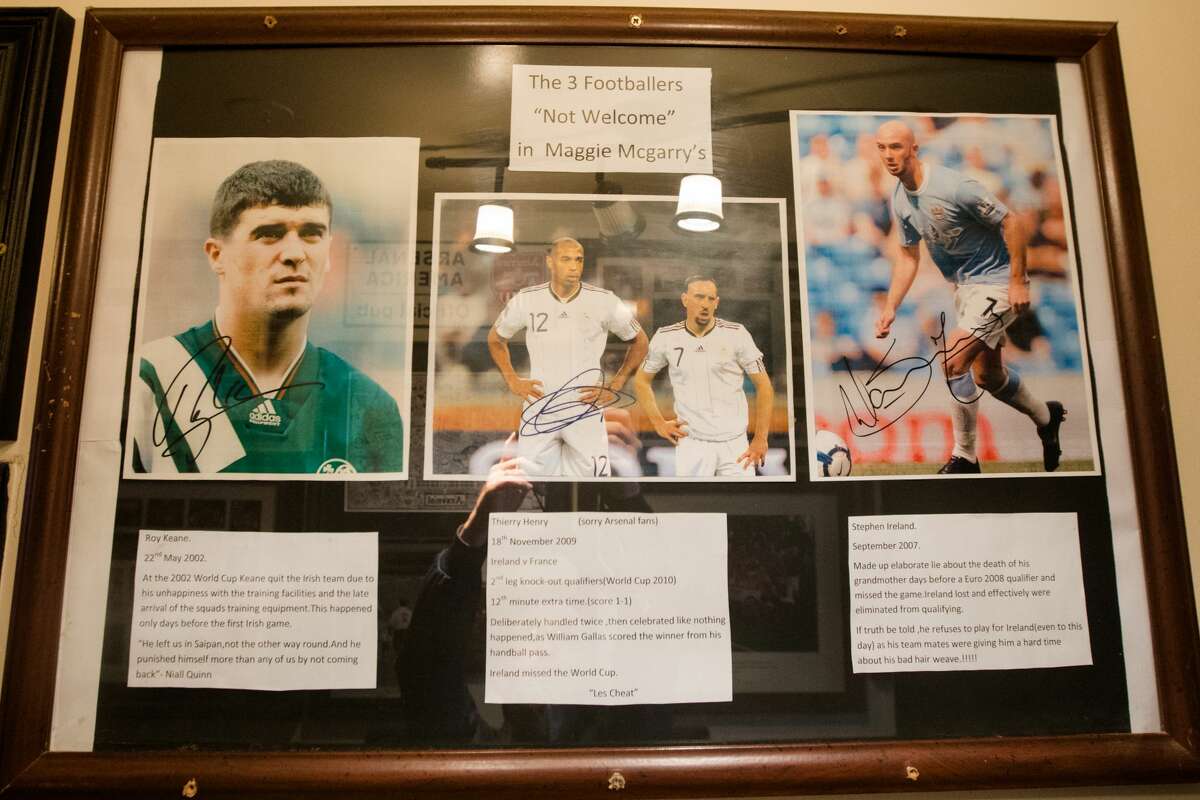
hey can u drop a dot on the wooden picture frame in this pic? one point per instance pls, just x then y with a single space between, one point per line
35 46
28 767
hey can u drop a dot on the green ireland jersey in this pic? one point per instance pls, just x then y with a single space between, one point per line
195 408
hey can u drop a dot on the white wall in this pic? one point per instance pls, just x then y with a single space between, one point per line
1162 65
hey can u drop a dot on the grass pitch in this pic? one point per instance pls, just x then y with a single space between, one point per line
1002 467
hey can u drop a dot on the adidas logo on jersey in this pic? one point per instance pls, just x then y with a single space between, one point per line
264 414
700 349
563 315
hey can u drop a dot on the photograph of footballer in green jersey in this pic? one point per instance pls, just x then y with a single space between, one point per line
265 347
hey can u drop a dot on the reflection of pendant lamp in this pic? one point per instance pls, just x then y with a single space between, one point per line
699 208
493 221
618 220
493 229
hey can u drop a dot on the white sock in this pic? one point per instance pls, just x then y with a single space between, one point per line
964 414
1016 394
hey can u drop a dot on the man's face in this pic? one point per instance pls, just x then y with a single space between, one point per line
700 301
274 260
897 149
565 263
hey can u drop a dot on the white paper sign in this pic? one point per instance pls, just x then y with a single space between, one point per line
965 592
611 119
250 610
608 609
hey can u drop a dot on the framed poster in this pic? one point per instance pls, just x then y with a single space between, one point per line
489 611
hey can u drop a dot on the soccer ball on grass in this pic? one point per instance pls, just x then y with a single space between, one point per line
831 455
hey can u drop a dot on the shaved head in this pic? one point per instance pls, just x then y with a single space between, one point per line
897 149
894 129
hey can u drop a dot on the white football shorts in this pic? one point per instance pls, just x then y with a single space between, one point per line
695 458
983 311
579 450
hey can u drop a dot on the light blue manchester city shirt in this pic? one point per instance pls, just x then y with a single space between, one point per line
960 223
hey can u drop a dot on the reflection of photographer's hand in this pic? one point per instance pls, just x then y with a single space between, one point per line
618 424
504 490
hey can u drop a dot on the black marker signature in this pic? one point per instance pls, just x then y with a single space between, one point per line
565 401
888 388
232 398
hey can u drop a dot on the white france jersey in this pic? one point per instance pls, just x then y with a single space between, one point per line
706 375
566 338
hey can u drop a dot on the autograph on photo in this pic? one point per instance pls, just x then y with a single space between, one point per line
896 387
206 397
561 408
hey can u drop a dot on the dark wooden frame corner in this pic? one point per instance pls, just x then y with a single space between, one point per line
35 49
28 768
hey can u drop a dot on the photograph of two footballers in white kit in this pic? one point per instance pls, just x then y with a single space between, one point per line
609 344
273 333
940 296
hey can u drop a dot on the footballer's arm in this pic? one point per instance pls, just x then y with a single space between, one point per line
525 388
670 429
764 406
1016 240
634 356
904 271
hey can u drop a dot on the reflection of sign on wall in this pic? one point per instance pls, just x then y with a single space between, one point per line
376 294
377 290
515 271
451 266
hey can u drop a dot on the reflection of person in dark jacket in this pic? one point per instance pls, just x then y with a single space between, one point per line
437 706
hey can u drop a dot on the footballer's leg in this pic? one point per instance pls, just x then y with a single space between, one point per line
1005 384
585 448
987 312
695 459
727 458
962 351
542 453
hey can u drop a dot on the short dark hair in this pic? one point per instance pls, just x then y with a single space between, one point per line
265 183
562 240
687 283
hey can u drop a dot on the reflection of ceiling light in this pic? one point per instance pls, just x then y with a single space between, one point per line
493 229
699 208
617 219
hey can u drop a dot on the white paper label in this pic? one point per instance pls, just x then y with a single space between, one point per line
251 610
965 592
618 119
608 609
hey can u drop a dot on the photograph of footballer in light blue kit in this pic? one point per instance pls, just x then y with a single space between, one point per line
273 336
941 297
